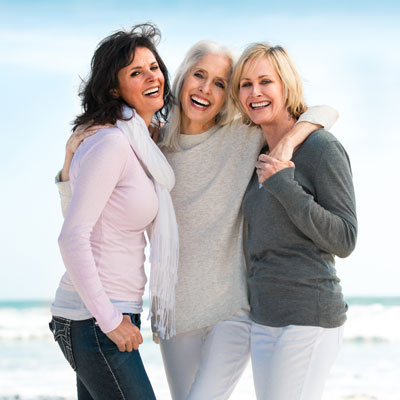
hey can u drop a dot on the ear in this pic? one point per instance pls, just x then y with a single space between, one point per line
114 93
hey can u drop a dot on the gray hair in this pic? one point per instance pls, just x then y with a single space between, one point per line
193 56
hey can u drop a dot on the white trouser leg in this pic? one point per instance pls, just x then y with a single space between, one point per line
292 363
206 364
181 357
226 352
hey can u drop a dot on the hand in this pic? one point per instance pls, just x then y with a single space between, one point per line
268 166
73 142
126 336
81 133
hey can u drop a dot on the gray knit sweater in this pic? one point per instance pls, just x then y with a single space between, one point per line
297 222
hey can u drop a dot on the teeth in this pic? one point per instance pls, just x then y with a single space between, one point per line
199 101
151 91
260 104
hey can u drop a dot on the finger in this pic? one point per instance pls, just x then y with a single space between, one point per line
260 165
129 346
266 158
121 347
291 163
85 134
140 338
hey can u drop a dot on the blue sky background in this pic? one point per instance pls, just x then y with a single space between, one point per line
346 51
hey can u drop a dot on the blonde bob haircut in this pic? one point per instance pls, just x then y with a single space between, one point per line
170 139
284 67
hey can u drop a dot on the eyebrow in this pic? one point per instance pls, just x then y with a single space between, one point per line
258 77
140 66
217 77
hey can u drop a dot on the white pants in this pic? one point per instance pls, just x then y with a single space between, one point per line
292 363
206 364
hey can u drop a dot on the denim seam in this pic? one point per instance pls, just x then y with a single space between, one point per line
108 365
63 338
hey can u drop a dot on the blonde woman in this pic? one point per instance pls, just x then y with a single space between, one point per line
300 214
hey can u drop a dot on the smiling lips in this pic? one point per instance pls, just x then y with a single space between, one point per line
152 92
199 102
259 105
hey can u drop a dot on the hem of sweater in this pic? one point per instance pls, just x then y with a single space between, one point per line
318 322
212 321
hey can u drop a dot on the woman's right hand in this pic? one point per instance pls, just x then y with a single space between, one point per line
126 336
73 142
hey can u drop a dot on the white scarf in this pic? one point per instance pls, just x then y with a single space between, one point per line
164 240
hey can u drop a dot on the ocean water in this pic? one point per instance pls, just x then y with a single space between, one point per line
33 368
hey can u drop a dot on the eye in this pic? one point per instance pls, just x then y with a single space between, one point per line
198 75
245 84
220 84
266 81
154 68
135 73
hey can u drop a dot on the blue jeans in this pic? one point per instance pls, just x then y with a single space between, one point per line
102 371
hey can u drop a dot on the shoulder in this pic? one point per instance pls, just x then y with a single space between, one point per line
107 145
320 141
106 140
320 137
322 147
240 132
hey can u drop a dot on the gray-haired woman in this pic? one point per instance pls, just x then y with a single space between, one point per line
213 156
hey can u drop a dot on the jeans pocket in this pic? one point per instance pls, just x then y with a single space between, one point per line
61 329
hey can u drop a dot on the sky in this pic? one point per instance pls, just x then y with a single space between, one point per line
347 53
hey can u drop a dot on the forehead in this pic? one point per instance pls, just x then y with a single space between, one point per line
215 64
258 67
143 54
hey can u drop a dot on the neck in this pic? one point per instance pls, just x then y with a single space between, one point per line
276 130
147 119
189 127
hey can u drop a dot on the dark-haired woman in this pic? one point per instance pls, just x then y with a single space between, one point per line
120 186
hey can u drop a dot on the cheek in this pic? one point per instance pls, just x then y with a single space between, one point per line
221 98
242 98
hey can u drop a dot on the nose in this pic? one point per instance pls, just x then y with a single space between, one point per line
205 86
255 90
150 76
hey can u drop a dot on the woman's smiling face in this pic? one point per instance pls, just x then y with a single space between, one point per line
261 92
141 84
204 92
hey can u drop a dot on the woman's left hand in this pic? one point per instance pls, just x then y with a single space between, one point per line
268 166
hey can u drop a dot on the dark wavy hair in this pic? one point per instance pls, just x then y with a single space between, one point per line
112 54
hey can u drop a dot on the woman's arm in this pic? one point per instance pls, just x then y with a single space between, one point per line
329 217
314 118
100 168
62 178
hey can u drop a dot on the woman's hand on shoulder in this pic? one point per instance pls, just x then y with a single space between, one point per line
81 133
73 142
126 336
268 166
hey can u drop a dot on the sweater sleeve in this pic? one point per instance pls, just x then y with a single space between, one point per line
100 169
329 219
64 190
325 116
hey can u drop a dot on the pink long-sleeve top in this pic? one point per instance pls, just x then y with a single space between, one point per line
102 240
